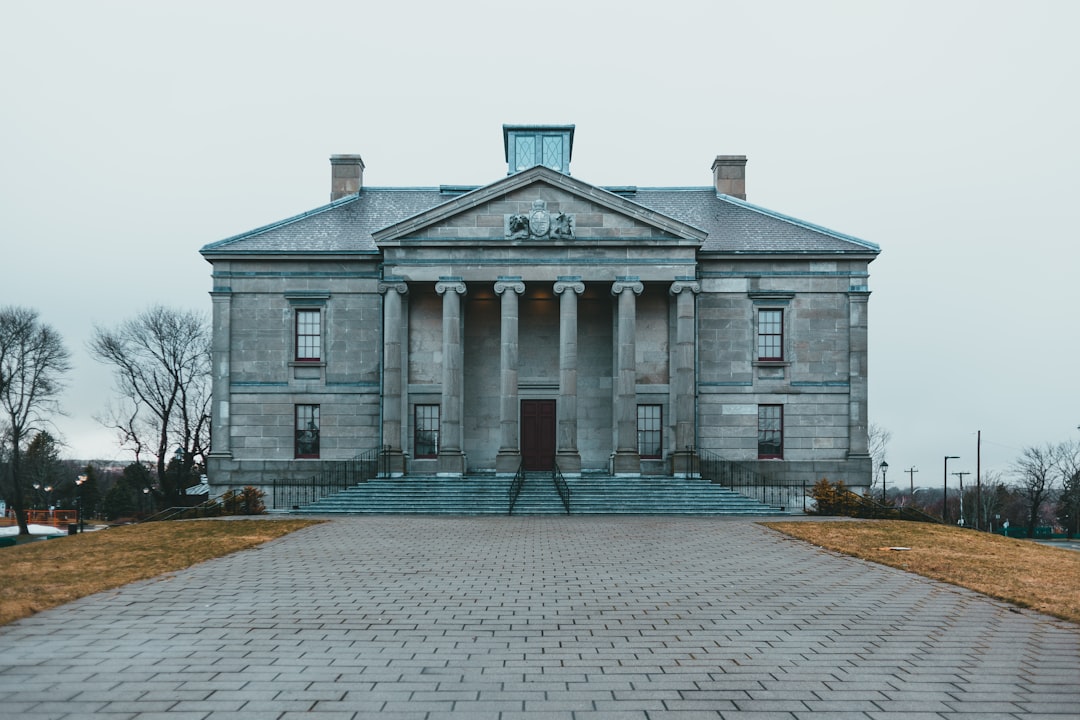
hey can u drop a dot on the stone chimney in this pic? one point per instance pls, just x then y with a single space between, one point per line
729 175
346 175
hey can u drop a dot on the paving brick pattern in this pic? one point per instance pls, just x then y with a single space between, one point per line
538 618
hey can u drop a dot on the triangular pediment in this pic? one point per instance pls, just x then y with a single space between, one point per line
539 206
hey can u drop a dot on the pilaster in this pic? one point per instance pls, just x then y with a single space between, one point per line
220 431
858 416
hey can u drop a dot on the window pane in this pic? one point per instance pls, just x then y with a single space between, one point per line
426 429
308 335
526 152
553 152
770 431
307 431
649 431
770 335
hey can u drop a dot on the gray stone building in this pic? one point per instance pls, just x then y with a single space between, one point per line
539 319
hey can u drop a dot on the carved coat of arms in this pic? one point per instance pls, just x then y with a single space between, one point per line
539 223
539 219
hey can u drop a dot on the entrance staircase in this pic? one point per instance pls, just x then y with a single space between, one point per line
489 495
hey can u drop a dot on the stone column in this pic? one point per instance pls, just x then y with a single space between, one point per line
509 457
220 435
393 329
451 455
683 389
566 451
627 461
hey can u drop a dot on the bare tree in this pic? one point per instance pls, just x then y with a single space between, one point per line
879 439
161 360
33 361
991 500
1068 461
1035 469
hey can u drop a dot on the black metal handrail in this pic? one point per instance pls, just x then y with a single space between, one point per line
745 479
333 477
213 507
867 507
561 487
515 487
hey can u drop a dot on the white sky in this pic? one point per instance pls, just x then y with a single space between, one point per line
133 133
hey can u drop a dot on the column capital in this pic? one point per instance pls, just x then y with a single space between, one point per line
399 286
685 285
509 282
450 284
569 282
628 282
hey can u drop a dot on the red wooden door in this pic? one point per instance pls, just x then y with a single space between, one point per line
538 434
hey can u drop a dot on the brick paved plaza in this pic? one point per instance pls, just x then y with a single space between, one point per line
538 618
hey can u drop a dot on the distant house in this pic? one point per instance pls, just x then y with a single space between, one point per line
540 319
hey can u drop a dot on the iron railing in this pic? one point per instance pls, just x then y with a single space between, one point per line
745 479
866 507
561 487
515 488
230 502
333 477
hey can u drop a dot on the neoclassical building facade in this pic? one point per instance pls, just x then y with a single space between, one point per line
539 320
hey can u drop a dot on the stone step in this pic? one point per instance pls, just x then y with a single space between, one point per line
598 495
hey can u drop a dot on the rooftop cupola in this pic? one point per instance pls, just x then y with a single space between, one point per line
530 145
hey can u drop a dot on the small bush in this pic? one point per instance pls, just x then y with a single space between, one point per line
248 501
834 499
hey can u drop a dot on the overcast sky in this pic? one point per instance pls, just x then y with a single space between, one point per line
134 133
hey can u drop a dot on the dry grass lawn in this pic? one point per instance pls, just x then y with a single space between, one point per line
1021 572
41 575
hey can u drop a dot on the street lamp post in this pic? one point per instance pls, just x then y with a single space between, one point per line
961 476
945 489
79 483
179 456
884 469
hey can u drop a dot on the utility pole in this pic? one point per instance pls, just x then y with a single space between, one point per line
911 476
960 475
978 479
945 489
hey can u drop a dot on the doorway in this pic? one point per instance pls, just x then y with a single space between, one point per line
538 434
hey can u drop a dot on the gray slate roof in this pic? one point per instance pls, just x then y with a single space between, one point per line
734 226
344 226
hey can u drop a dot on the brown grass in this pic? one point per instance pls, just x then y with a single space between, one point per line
1021 572
41 575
